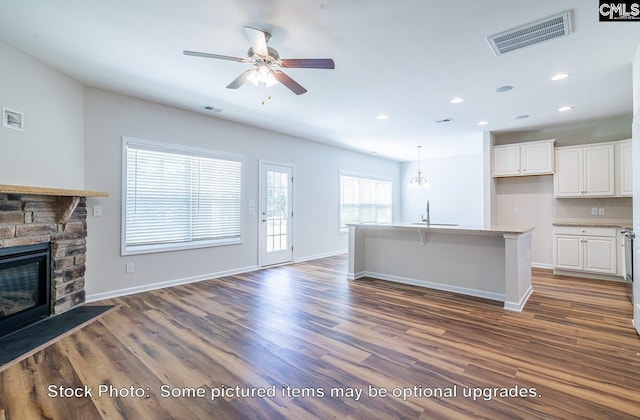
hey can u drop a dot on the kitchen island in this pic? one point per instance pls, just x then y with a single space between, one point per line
492 263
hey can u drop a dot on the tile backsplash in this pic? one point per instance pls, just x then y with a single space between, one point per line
580 208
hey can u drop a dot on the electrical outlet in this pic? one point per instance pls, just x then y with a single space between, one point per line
130 268
97 211
601 211
516 210
594 210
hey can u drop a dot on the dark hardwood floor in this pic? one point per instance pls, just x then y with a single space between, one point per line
303 331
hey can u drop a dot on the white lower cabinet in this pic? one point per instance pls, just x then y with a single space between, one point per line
584 248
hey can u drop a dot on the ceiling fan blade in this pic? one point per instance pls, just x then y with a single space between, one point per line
294 86
308 63
218 56
239 81
258 40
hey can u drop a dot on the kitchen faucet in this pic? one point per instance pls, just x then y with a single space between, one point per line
428 219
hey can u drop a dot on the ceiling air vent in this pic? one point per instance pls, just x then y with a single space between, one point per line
444 120
551 27
211 108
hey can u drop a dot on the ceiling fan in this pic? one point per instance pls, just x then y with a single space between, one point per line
266 61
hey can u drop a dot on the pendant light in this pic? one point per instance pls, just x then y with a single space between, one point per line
419 181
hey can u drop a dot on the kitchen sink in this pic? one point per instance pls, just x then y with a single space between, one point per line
435 224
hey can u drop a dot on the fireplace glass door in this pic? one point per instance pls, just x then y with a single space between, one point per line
24 286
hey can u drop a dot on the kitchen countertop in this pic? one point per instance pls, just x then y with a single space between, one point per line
446 228
624 224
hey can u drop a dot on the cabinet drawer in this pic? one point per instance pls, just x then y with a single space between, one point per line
585 231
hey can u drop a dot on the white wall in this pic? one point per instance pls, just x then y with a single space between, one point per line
456 192
109 116
50 150
532 196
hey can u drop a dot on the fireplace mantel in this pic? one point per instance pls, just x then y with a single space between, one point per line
18 189
68 200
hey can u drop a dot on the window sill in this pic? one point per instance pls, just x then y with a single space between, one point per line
157 248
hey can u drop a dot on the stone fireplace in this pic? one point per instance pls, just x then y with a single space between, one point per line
31 216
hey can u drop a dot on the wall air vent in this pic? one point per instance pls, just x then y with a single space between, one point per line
542 30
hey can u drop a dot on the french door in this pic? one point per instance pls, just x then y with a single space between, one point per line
276 213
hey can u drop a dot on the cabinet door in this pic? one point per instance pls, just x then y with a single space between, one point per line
599 171
600 255
568 179
536 158
568 252
506 160
624 174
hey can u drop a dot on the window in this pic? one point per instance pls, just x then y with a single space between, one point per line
178 197
364 200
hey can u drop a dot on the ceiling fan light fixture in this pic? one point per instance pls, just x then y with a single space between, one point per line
263 58
263 73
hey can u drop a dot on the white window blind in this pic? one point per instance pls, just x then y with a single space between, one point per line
179 198
364 200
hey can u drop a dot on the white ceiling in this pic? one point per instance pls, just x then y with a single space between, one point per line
406 59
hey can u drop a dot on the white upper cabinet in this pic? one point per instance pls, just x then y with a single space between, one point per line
624 173
506 160
585 171
523 159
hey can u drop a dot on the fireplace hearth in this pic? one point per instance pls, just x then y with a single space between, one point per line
25 291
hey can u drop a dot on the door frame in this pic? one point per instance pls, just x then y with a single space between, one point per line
261 230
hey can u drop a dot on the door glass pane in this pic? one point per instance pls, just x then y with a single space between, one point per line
277 210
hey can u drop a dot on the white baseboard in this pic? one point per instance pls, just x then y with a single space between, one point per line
356 276
431 285
154 286
586 275
519 306
542 265
318 256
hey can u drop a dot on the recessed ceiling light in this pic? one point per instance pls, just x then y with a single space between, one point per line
522 117
503 89
483 123
382 117
559 76
456 100
565 108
